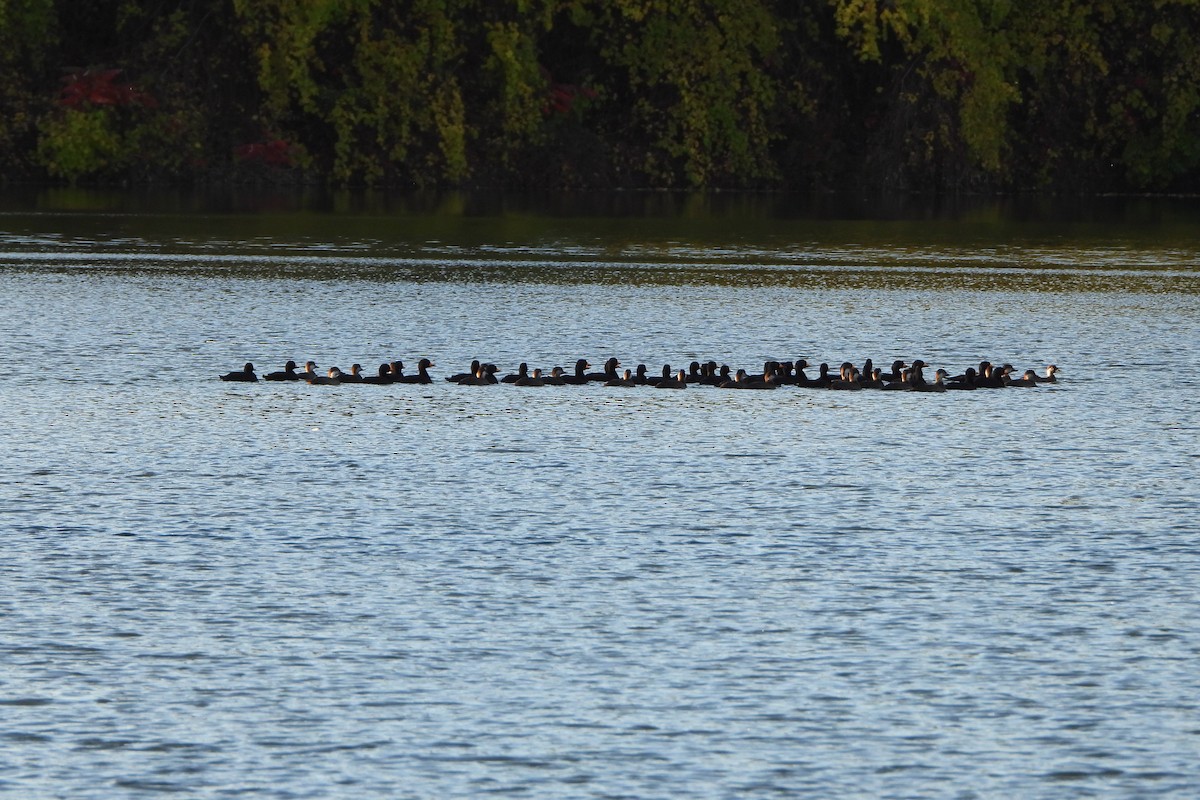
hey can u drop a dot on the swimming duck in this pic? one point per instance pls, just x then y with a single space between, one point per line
738 381
479 378
897 371
964 382
310 371
580 377
422 375
332 378
642 378
874 380
938 384
626 380
708 374
995 377
555 378
785 375
799 377
847 379
458 377
288 373
678 382
901 385
522 372
1049 377
916 374
970 371
767 380
609 373
989 376
823 378
531 380
355 375
384 376
1027 380
244 375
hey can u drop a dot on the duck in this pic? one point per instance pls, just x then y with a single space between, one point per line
902 385
643 379
609 373
384 376
243 375
458 377
969 372
1027 380
310 371
847 379
764 381
938 385
799 377
767 380
422 375
522 372
916 374
555 378
995 377
288 373
738 381
396 372
625 380
874 380
695 373
479 378
823 378
331 378
964 382
677 382
580 377
531 380
772 375
1049 377
355 375
989 376
785 374
709 376
897 371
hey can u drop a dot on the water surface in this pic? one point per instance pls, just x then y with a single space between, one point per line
222 590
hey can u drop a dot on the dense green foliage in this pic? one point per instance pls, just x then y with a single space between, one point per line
1092 95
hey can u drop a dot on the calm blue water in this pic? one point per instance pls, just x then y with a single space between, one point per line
220 590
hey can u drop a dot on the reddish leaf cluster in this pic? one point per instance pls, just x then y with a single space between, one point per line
562 96
273 153
99 87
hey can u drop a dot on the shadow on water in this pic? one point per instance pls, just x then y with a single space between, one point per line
724 239
1121 210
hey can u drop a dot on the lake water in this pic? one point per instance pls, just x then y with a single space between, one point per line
287 591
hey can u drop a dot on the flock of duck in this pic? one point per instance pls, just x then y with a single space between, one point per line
901 377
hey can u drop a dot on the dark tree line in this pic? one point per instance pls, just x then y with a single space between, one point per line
935 95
